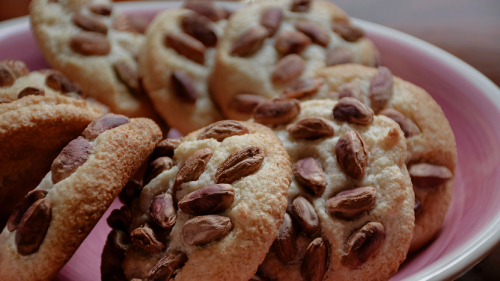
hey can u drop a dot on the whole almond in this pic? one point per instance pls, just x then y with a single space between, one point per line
405 124
339 55
163 211
211 199
31 91
276 111
285 244
427 176
17 67
352 154
90 44
7 78
300 6
100 125
309 174
311 128
288 69
193 167
155 168
223 129
249 42
271 19
353 111
363 245
351 90
120 219
240 164
166 267
291 42
348 32
187 46
59 82
128 75
306 216
89 23
315 261
314 31
101 9
381 88
350 204
205 8
166 148
245 103
33 227
23 206
205 229
149 238
303 88
183 86
72 156
200 28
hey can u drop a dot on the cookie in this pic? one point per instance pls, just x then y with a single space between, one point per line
270 46
210 210
176 59
431 148
96 47
51 222
350 208
33 130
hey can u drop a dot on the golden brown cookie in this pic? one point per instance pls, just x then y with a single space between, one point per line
51 222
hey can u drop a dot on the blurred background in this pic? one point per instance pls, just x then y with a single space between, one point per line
469 29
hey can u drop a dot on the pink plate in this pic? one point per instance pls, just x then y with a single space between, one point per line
470 101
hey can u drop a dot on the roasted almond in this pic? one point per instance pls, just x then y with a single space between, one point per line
90 44
187 46
339 55
315 261
291 42
288 69
309 174
31 91
33 227
303 88
200 28
17 67
351 90
380 90
7 78
149 238
348 32
205 8
245 103
104 123
205 229
162 211
271 19
72 156
183 86
59 82
211 199
353 111
352 155
405 124
249 42
427 176
363 245
306 216
23 206
314 31
239 164
166 148
120 219
311 128
166 267
193 167
276 111
223 129
128 75
155 168
285 244
300 6
101 9
89 23
350 204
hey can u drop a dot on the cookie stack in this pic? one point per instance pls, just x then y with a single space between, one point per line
303 158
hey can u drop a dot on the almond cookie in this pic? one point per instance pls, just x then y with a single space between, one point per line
432 152
49 224
175 62
209 211
271 46
33 130
350 208
96 47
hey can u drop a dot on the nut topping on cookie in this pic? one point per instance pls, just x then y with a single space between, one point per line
199 27
7 78
33 227
23 206
315 261
183 86
348 32
167 266
101 9
119 242
128 75
249 42
351 90
352 154
363 245
240 164
311 128
305 214
120 219
31 91
158 166
303 88
211 199
285 244
429 176
131 190
288 69
314 31
223 129
89 23
102 124
205 8
149 238
72 156
271 19
353 111
17 67
380 91
58 82
205 229
291 42
163 211
352 203
276 111
406 125
245 103
187 46
339 55
309 174
90 44
300 6
193 167
166 148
